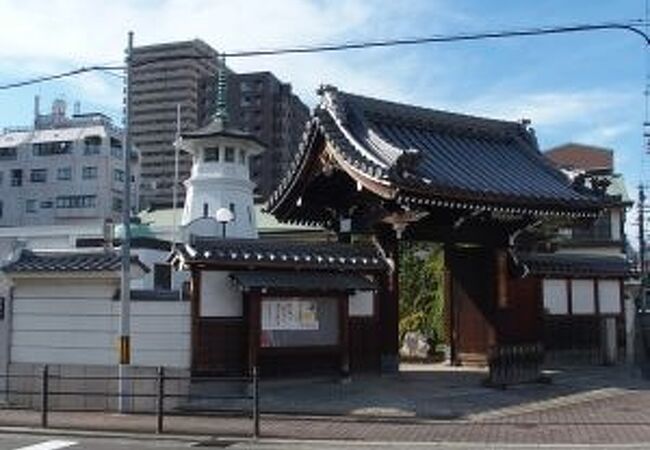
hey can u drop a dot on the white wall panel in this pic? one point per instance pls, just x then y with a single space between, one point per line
219 297
609 296
361 304
582 296
76 330
555 296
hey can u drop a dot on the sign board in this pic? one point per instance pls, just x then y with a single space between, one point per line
289 314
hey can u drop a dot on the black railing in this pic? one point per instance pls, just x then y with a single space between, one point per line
512 364
160 393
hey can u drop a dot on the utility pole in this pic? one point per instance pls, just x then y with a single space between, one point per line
125 301
177 145
641 207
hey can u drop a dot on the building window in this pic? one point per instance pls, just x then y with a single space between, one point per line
250 215
38 175
232 210
17 177
162 277
242 157
89 173
117 204
64 173
30 206
47 204
229 156
1 176
76 201
211 154
92 145
118 175
52 148
205 210
8 154
1 209
116 148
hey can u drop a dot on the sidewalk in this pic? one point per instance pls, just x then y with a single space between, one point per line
599 405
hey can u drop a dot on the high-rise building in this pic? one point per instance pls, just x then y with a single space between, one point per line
164 76
184 73
263 105
63 171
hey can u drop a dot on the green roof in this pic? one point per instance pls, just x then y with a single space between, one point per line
162 219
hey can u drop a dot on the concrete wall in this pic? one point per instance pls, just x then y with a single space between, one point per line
100 380
76 323
5 322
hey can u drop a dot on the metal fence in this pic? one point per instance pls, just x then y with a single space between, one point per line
48 386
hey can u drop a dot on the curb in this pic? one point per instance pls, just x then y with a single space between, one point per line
106 434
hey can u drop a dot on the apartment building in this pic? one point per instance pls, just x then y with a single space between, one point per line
263 105
185 73
164 76
63 170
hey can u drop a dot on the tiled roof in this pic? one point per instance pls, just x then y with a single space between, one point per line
576 265
255 253
304 281
219 128
428 157
30 261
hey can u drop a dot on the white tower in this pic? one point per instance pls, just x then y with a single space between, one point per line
220 179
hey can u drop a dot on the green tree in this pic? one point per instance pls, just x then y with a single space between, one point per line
421 280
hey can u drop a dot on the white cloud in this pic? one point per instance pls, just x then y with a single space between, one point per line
548 108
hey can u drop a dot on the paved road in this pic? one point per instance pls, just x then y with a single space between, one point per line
32 442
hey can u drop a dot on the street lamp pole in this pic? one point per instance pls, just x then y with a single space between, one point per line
125 301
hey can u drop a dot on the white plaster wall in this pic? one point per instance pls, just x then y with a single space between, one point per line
219 297
361 304
555 296
149 257
582 296
609 296
219 193
76 322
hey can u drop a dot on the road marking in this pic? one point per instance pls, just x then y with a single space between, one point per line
49 445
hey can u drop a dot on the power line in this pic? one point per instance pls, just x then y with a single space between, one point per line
629 26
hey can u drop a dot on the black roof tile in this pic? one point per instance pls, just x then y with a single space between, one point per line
283 254
439 156
576 265
31 261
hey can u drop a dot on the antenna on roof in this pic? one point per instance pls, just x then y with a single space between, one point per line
37 108
221 111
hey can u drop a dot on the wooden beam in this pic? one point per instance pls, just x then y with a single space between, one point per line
195 313
389 302
344 335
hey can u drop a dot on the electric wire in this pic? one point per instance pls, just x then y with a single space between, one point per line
629 26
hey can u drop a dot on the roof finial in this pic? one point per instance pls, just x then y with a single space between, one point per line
221 111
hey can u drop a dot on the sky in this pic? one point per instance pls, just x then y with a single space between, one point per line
583 87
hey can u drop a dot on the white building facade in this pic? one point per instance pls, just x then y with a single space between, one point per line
64 170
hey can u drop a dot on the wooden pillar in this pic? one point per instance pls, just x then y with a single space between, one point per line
195 314
344 335
450 314
389 303
253 300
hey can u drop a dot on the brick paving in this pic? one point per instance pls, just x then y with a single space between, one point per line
610 409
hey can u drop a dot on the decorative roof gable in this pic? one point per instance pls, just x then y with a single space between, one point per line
423 157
